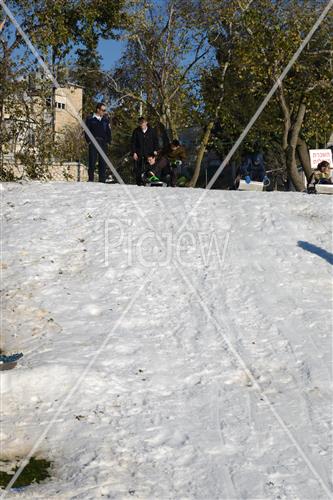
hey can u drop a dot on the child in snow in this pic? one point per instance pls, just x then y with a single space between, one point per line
170 161
322 175
152 172
253 168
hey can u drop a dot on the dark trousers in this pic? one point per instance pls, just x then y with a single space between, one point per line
93 155
140 166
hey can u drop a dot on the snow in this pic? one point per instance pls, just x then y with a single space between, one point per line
161 365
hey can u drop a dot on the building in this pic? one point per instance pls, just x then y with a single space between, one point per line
68 104
36 113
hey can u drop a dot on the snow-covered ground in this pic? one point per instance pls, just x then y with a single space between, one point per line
168 366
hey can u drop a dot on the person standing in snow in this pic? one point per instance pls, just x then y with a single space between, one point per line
144 143
99 126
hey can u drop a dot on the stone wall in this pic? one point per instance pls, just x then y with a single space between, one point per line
67 171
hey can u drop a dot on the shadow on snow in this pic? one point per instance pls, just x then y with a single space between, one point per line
309 247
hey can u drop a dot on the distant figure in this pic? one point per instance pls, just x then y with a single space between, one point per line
175 151
321 175
150 174
99 126
144 144
170 160
253 168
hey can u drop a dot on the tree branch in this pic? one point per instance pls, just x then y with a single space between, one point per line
150 62
320 84
286 114
196 59
168 28
2 25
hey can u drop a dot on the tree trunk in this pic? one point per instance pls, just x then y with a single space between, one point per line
53 97
291 150
163 115
286 116
200 155
292 144
4 90
171 122
209 128
303 154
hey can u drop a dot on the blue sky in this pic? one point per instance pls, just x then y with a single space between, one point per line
110 51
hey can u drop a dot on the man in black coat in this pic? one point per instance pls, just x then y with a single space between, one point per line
99 126
144 144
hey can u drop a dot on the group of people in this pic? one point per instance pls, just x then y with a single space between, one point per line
150 162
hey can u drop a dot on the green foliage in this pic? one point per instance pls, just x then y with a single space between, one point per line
185 63
87 72
57 28
267 35
71 145
36 471
156 70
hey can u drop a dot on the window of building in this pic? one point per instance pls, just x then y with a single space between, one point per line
60 105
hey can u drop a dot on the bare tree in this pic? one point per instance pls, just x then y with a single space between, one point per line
164 47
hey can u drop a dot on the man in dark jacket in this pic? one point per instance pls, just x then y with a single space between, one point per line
144 144
99 126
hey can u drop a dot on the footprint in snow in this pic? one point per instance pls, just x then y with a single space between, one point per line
174 439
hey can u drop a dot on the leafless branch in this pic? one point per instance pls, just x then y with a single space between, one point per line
164 73
2 24
320 84
149 60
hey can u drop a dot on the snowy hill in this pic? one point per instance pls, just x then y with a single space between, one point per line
160 365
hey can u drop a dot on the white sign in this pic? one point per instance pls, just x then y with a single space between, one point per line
319 155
